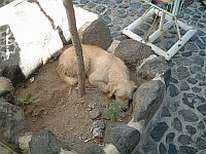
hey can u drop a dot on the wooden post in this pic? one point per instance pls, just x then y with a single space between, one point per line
77 45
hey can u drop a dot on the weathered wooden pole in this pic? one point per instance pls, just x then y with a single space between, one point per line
77 45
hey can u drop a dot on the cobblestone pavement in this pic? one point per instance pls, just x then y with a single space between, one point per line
180 125
179 128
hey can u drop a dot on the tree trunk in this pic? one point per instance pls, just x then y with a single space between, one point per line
77 45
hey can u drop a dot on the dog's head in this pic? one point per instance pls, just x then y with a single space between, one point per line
123 91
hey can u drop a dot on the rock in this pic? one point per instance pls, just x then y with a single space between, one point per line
149 147
188 115
6 90
165 112
162 149
191 130
5 86
158 131
182 72
170 137
192 80
44 142
187 150
184 139
98 129
24 142
173 90
201 143
96 33
172 149
198 60
113 46
201 125
94 114
177 124
125 138
12 122
196 89
194 69
132 52
147 100
184 86
93 149
110 148
202 109
67 152
185 100
154 66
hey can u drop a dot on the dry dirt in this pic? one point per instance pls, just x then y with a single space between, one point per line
57 107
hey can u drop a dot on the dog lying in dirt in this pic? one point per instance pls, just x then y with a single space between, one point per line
103 69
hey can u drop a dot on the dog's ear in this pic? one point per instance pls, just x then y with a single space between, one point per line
112 89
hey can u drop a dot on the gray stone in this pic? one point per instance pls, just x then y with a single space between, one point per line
198 60
177 124
170 137
192 80
94 114
200 76
172 149
188 115
173 90
173 106
149 147
6 89
154 66
184 139
122 13
182 72
147 100
165 112
201 143
185 100
96 33
202 109
44 142
12 122
98 129
191 130
196 89
194 69
187 150
132 52
202 53
158 131
202 83
184 86
93 149
162 149
201 125
125 138
187 54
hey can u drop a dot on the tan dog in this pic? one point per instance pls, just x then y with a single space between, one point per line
103 69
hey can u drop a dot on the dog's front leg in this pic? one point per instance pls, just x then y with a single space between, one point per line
98 82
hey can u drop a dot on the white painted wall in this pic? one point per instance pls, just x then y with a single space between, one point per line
33 31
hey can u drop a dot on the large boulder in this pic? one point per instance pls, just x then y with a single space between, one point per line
6 90
132 52
44 142
10 58
124 138
12 122
147 100
96 33
152 67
